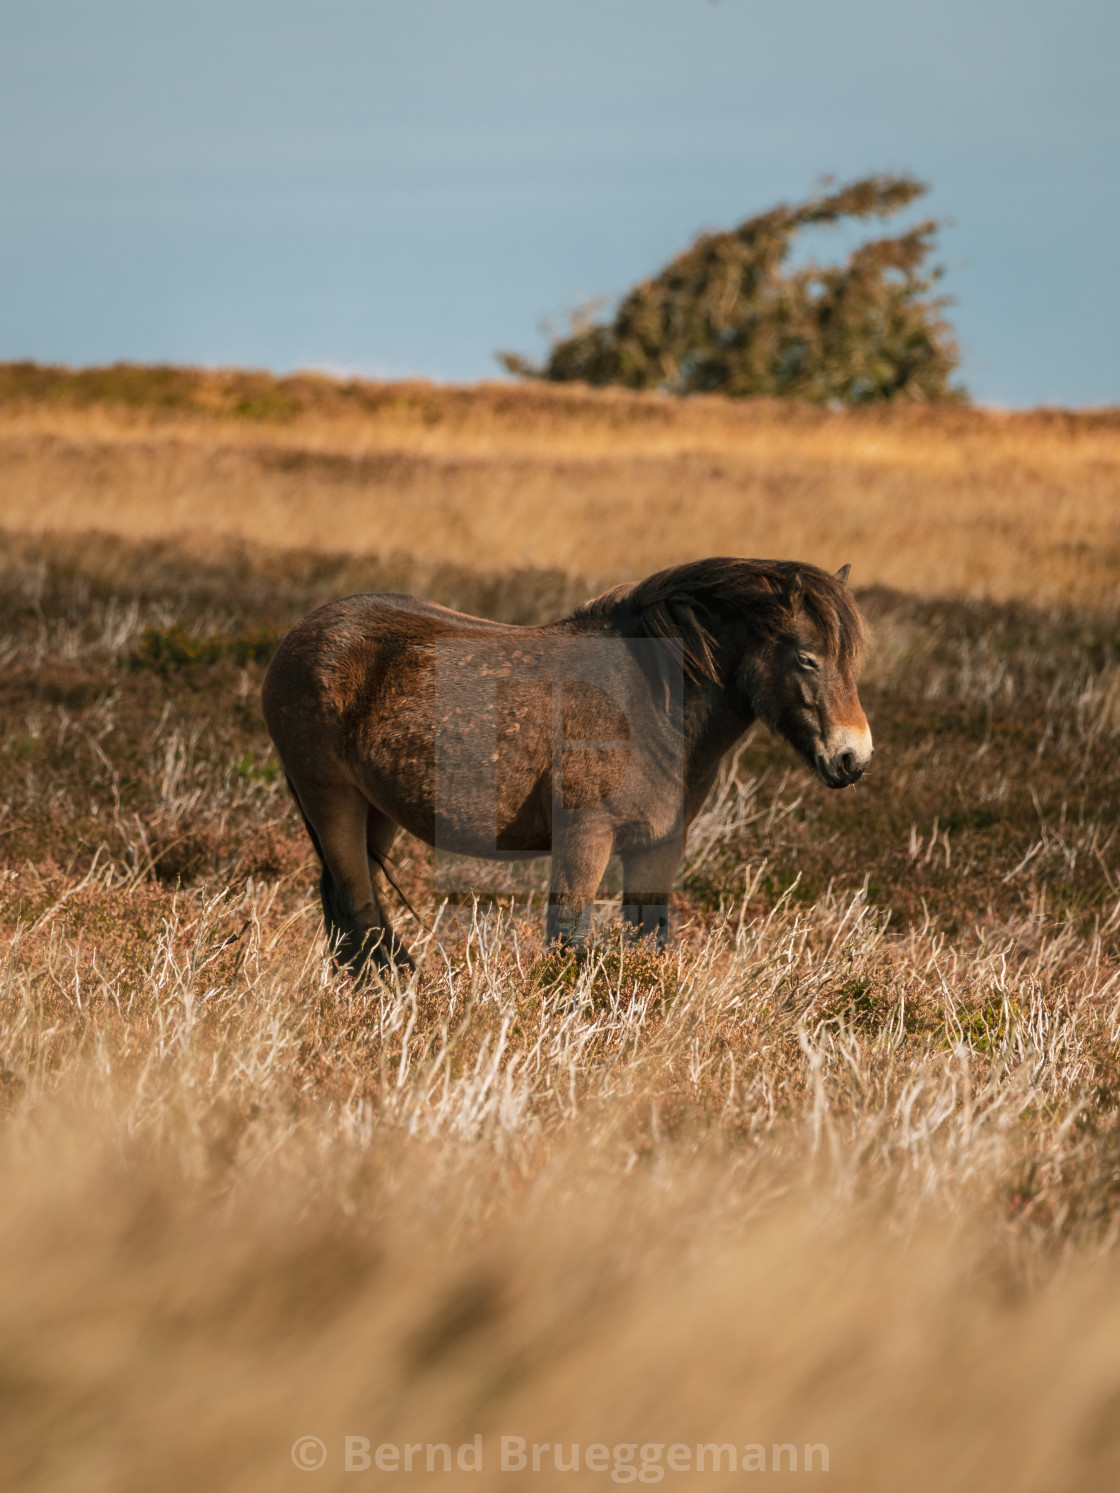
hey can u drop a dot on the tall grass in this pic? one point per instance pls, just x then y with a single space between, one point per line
841 1170
802 1183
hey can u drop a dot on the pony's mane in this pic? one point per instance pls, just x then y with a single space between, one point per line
688 601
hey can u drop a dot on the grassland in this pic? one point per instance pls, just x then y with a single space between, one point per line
937 502
843 1168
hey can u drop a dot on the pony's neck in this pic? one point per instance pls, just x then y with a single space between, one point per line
711 728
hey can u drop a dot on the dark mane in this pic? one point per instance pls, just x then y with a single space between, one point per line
688 602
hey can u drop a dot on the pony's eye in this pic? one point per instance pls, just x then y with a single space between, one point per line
806 661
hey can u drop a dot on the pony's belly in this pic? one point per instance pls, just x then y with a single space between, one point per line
490 838
484 853
466 829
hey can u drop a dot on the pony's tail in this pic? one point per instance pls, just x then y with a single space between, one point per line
308 826
382 865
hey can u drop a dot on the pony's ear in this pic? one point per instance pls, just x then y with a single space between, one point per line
842 574
795 590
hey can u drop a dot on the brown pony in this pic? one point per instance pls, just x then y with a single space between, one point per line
600 733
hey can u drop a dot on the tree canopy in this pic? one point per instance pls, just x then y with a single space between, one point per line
727 316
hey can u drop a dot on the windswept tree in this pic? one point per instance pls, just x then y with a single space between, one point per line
727 316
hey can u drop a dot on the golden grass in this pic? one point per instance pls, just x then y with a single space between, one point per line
842 1169
946 502
715 1198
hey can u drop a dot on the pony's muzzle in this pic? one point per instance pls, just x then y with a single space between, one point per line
842 771
847 762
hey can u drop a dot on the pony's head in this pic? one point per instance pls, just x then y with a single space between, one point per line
781 641
802 680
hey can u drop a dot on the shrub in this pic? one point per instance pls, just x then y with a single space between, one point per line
727 316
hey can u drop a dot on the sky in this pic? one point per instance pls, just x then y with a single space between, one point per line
404 187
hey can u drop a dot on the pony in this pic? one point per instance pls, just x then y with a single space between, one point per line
597 734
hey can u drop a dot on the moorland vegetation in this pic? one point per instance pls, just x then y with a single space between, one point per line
842 1167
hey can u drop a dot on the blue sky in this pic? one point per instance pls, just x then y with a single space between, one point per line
404 186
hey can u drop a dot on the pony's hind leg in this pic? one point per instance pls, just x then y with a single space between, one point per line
337 819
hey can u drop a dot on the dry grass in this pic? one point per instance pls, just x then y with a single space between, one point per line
802 1184
842 1169
936 502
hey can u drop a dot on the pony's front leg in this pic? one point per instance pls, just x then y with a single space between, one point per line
647 880
580 853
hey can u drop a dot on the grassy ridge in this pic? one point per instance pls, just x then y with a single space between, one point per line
262 396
